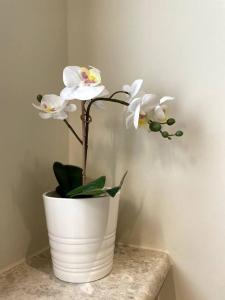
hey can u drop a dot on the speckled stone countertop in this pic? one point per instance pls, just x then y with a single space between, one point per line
137 274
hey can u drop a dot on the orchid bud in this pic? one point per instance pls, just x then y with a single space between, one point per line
155 126
170 121
165 134
39 98
179 133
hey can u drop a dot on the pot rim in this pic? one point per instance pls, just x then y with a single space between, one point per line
45 195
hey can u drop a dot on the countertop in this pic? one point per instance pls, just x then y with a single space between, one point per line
137 274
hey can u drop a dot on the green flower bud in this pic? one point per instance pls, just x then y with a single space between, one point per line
165 134
179 133
170 121
39 98
155 126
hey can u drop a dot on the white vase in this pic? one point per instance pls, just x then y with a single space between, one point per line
81 235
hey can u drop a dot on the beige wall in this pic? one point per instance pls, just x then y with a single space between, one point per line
174 194
32 56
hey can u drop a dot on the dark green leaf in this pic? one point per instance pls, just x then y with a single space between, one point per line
68 177
95 189
74 174
92 193
93 185
122 180
113 191
62 178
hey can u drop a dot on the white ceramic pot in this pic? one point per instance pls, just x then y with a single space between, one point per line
81 235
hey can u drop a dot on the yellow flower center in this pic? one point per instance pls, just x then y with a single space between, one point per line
90 76
48 109
142 120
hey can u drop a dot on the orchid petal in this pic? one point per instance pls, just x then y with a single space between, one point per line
53 101
81 93
149 108
159 113
70 107
94 68
60 116
134 104
37 106
129 121
68 93
135 87
147 98
71 76
104 93
45 115
136 117
100 104
166 98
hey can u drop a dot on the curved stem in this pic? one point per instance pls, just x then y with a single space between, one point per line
73 131
104 99
118 92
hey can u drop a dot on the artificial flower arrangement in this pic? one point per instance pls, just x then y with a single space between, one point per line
85 85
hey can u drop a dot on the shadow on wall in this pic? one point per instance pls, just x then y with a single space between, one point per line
34 179
153 164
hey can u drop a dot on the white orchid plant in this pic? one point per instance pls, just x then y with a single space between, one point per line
85 85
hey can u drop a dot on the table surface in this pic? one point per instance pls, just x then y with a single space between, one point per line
137 274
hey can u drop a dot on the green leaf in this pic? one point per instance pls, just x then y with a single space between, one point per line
95 189
61 176
99 183
74 175
123 178
92 193
68 177
113 191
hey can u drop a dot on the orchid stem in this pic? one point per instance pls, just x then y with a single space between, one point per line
104 99
86 119
85 138
73 131
118 92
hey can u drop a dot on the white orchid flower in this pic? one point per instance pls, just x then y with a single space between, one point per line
53 106
160 110
138 109
81 83
134 88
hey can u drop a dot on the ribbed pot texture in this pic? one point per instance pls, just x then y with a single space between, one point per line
81 235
